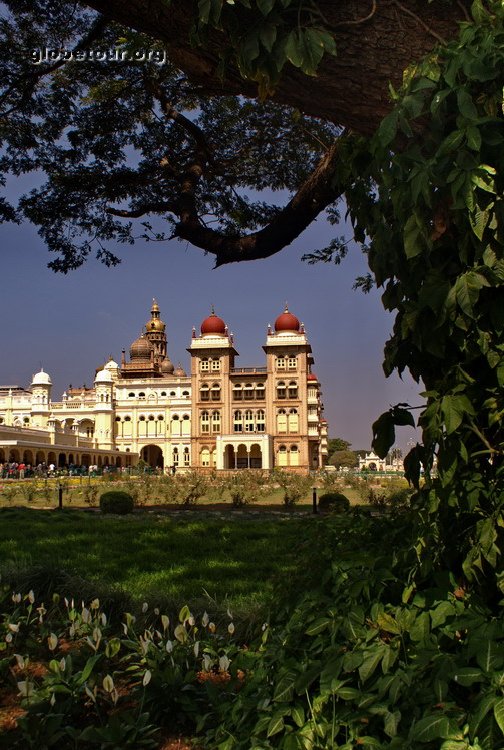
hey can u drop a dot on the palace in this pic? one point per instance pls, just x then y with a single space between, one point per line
218 417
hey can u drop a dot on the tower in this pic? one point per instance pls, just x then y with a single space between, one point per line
155 333
41 399
104 409
212 360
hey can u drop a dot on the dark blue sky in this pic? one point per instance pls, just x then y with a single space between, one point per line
71 324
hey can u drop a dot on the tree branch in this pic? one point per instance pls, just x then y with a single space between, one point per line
319 190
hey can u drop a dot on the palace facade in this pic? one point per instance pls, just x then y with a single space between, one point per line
219 416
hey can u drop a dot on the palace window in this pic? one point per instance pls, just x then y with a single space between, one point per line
163 393
248 392
141 395
237 422
281 420
216 422
261 421
204 365
215 391
205 457
282 455
215 365
291 362
205 421
249 421
237 392
281 389
260 391
293 420
293 389
280 362
186 457
205 392
131 395
175 457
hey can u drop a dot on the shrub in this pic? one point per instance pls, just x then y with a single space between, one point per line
335 502
116 501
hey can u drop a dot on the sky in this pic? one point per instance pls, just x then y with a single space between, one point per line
70 325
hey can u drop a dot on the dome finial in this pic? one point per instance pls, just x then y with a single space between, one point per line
212 309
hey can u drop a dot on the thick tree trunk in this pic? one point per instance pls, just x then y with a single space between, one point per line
351 89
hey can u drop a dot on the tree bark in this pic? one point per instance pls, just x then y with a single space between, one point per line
351 89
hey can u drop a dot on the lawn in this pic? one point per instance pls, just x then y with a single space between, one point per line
154 557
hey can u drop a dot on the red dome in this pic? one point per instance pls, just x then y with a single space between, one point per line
287 322
312 376
213 324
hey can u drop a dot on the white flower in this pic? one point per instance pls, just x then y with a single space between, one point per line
145 607
231 628
147 678
205 619
52 641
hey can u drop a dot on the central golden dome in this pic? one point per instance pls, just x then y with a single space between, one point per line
140 349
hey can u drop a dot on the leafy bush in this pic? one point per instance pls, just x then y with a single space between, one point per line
295 486
116 501
335 502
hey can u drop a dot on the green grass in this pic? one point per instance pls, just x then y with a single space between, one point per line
154 557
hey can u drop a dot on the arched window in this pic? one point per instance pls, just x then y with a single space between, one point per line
280 362
215 391
248 392
141 395
237 422
163 393
186 457
175 425
237 392
205 457
293 389
282 455
118 419
131 395
261 421
260 392
216 421
160 417
204 421
185 394
281 421
151 417
175 457
249 421
204 364
186 425
204 392
293 421
172 393
281 390
294 455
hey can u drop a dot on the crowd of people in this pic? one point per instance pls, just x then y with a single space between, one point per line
20 470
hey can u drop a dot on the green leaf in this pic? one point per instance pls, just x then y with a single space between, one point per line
368 666
318 625
468 676
499 713
453 409
265 6
383 434
268 35
430 728
489 656
285 687
466 105
276 725
294 49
